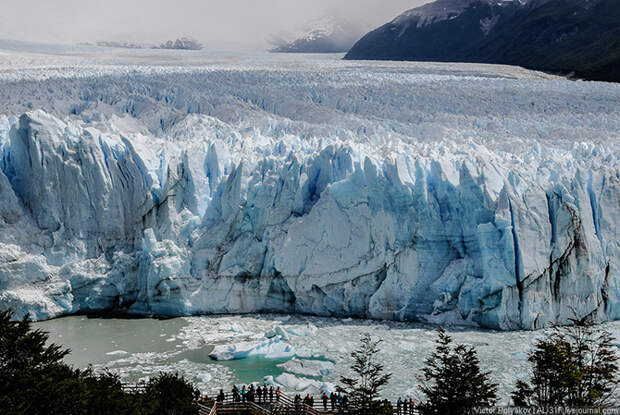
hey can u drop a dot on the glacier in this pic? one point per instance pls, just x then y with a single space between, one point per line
449 193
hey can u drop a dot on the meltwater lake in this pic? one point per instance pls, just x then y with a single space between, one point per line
298 353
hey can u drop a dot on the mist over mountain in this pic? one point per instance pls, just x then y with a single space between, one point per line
326 35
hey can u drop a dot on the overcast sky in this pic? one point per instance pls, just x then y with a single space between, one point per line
246 23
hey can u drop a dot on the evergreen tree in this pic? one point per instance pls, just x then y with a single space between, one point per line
574 366
364 389
33 378
106 395
453 382
170 394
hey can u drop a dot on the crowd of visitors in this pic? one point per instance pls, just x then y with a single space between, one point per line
334 401
405 406
252 393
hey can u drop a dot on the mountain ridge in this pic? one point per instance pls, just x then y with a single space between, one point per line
324 35
559 36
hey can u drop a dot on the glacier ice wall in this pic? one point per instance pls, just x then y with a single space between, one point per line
384 191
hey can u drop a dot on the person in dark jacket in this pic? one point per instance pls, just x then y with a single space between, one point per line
235 393
324 398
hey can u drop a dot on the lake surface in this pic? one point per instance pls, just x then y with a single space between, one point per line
320 348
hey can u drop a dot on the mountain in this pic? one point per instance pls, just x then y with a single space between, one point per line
184 43
575 37
122 45
326 35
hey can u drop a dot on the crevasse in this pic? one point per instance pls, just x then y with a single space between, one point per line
393 191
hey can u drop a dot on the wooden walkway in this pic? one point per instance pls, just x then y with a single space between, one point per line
284 406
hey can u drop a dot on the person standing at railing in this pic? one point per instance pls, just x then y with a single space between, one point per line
270 394
297 402
221 396
251 393
411 405
259 393
278 393
399 406
235 393
333 399
324 398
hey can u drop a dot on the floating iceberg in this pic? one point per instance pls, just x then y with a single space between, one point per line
270 349
314 368
300 384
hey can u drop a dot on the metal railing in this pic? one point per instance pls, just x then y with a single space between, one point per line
266 405
269 405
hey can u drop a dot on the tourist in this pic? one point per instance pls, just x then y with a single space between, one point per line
221 397
278 394
411 405
244 393
405 407
235 393
259 393
297 402
333 399
324 398
311 402
270 394
399 406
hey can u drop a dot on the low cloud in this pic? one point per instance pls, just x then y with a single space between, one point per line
216 23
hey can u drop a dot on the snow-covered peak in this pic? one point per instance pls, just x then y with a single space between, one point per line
441 10
328 32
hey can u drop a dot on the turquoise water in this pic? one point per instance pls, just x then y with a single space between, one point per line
252 368
137 349
119 344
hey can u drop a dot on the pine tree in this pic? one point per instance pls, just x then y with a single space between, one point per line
453 382
363 391
573 366
170 394
33 377
34 380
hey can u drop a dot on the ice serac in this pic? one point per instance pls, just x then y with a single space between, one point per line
403 201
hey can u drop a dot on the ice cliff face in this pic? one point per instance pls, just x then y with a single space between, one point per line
391 191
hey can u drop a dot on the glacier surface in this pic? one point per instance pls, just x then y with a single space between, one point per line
198 183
